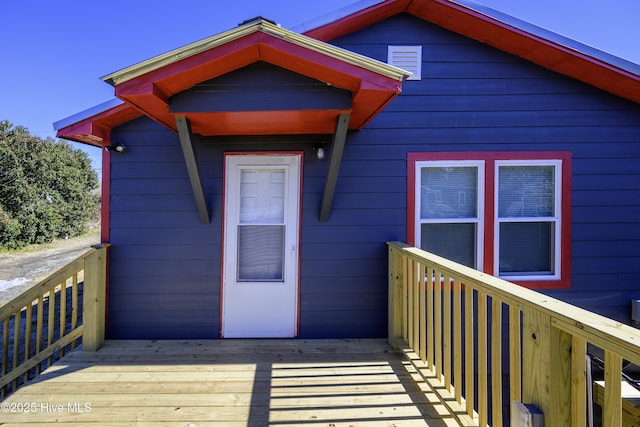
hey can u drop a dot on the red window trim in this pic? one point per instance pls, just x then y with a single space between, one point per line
489 211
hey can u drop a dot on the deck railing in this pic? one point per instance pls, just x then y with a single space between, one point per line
52 317
483 342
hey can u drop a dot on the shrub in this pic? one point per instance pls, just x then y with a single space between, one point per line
46 188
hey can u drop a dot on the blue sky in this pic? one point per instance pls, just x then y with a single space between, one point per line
54 53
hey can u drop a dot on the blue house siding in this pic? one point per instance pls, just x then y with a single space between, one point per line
475 98
161 273
165 265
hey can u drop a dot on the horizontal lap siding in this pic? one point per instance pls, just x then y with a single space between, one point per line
475 98
165 269
164 281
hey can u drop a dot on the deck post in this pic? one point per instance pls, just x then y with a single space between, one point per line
94 299
546 360
395 297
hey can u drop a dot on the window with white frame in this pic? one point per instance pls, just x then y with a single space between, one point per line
450 209
504 213
527 228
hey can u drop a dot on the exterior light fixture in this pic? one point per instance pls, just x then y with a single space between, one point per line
118 147
319 149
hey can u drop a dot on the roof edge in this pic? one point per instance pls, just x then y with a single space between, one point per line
85 114
334 16
266 27
550 36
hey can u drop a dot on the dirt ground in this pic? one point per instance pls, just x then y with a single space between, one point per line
29 267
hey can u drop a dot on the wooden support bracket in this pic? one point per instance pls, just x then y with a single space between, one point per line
186 142
337 147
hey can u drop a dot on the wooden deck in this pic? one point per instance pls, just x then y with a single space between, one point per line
330 383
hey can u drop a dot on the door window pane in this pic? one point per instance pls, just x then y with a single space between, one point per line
261 232
262 196
260 253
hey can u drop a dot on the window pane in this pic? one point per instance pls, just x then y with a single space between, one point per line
526 248
262 196
448 192
456 242
261 252
526 191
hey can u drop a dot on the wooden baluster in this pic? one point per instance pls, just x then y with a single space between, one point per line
423 313
446 347
483 349
431 331
63 312
27 337
39 327
74 306
457 340
51 322
16 344
410 300
405 299
5 350
469 351
496 363
515 354
437 314
415 313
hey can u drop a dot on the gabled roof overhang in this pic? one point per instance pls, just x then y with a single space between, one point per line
469 19
149 85
146 88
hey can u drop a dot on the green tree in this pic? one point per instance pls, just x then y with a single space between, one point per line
46 188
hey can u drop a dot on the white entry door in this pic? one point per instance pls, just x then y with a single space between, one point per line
260 266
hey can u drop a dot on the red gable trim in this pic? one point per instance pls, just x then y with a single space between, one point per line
96 130
483 28
150 92
146 88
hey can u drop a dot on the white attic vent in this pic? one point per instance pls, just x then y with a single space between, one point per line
408 58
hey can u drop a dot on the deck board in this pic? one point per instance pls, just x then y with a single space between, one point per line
251 383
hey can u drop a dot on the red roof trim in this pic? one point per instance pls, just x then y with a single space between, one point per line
358 20
96 130
151 91
483 28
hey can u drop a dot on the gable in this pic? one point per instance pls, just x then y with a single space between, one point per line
148 86
503 32
260 86
250 99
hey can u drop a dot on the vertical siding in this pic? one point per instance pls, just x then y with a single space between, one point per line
165 269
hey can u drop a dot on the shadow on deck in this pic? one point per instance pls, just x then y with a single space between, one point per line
330 383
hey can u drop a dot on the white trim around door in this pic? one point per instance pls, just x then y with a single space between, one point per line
261 238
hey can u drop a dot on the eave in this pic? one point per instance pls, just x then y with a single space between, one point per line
468 19
93 127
